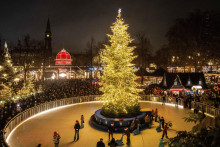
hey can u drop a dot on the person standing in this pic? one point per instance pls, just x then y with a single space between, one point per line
176 104
110 130
137 125
56 138
156 115
162 121
100 143
82 121
127 133
152 115
76 127
164 99
165 131
147 121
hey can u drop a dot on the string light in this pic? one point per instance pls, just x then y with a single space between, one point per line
118 79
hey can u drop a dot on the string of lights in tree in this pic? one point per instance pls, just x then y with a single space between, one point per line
118 79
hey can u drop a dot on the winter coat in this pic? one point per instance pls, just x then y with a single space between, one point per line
147 119
56 139
111 128
100 144
165 129
127 133
77 126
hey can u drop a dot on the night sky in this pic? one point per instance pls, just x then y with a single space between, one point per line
73 22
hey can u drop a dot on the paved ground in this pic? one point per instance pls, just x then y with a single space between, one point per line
40 129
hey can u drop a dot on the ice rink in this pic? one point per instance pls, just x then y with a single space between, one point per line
39 130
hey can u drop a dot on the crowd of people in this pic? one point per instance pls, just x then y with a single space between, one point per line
51 90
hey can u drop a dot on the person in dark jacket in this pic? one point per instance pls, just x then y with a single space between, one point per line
76 127
127 133
162 121
112 143
176 98
110 130
100 143
164 99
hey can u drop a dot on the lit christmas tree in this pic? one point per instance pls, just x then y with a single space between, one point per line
27 89
120 94
7 72
7 76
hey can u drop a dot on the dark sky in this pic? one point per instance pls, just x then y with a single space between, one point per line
73 22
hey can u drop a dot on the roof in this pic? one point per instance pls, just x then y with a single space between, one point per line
183 79
63 58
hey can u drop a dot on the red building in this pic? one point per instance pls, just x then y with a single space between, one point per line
63 58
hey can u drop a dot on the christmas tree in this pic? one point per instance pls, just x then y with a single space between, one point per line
27 89
120 94
7 76
7 72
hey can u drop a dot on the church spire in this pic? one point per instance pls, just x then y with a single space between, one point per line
48 26
48 39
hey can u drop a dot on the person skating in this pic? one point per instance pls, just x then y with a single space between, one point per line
137 125
176 104
164 99
132 125
127 133
76 127
152 115
162 121
82 121
147 121
156 115
100 143
165 131
56 138
111 129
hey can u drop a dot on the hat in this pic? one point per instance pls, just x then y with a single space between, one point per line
77 121
112 123
54 133
152 109
126 128
101 139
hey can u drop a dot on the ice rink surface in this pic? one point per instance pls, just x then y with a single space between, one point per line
39 130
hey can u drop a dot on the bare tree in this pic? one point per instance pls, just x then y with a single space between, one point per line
143 50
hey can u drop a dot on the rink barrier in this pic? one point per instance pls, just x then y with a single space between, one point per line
19 118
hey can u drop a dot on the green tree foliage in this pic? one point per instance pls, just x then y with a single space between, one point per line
194 40
120 94
194 117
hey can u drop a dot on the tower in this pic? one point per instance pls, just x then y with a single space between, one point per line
48 39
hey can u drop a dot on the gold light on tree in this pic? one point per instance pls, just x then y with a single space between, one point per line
120 94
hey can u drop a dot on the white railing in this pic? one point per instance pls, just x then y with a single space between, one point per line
15 121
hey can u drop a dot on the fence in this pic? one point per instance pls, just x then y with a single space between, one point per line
40 108
208 109
67 101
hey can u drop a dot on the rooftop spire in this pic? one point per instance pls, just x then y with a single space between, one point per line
48 26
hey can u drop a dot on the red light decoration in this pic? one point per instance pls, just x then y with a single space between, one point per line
63 58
